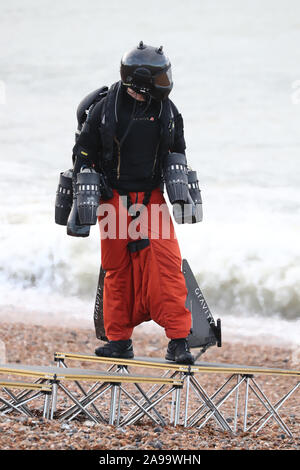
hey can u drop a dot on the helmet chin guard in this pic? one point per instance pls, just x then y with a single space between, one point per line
147 69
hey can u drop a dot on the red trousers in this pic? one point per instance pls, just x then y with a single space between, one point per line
145 284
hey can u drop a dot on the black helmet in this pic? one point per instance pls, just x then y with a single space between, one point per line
146 69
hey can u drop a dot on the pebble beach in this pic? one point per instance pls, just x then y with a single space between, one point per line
35 344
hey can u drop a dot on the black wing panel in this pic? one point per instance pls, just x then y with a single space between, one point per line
204 331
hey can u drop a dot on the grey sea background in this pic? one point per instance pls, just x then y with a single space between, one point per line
236 71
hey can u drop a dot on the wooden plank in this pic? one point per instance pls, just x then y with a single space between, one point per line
163 364
25 385
59 373
29 370
87 374
149 362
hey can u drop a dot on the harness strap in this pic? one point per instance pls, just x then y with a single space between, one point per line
138 245
145 202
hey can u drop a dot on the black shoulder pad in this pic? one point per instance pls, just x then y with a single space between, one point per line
90 99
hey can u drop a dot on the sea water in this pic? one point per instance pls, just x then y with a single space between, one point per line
236 71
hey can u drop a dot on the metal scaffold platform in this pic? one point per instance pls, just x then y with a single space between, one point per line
176 394
120 397
236 377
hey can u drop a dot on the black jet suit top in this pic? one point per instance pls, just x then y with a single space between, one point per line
135 165
136 145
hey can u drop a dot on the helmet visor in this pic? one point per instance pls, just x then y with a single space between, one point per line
164 78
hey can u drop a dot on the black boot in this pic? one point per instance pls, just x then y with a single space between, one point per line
178 351
121 348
